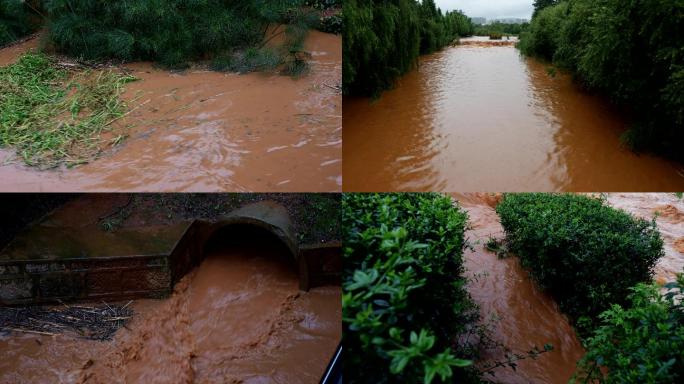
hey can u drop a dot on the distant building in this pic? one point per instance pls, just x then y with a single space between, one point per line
509 20
479 20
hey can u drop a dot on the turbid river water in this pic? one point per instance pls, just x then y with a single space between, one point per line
207 131
238 318
480 117
523 315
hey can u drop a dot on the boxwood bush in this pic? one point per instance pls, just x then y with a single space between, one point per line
404 302
585 253
639 343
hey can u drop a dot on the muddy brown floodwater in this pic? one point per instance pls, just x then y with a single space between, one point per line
668 210
209 131
479 117
238 318
521 315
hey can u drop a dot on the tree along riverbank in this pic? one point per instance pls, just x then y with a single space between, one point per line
629 51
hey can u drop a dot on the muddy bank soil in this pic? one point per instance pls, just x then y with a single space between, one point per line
524 316
238 318
202 131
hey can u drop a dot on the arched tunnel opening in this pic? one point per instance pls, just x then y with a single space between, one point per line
250 240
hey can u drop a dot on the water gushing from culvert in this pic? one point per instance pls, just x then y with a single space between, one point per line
238 317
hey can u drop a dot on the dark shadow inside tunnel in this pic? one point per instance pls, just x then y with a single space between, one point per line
249 240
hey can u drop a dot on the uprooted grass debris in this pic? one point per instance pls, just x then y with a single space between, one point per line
54 114
90 322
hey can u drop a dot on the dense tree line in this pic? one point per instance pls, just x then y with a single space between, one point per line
541 4
383 39
631 51
500 28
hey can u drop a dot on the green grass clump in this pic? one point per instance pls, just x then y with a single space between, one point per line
641 342
249 60
404 301
53 116
177 32
586 254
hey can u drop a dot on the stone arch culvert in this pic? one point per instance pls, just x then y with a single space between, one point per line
48 265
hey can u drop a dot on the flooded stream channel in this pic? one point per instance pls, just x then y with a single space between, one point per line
238 318
201 130
521 315
479 117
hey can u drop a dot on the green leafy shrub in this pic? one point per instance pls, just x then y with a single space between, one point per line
586 254
16 20
631 51
332 23
383 39
405 309
171 32
639 343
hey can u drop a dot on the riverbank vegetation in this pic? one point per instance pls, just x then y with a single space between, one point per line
16 20
240 36
586 254
630 51
232 33
54 114
501 29
641 342
406 314
383 39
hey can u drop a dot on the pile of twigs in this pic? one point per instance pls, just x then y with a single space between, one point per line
95 323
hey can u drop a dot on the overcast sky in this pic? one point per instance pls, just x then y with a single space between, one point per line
490 9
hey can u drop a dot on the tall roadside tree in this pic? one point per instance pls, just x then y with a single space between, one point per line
541 4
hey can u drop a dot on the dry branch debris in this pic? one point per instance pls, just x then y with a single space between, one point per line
90 322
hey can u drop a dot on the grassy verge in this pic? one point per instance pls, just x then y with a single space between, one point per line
236 35
54 116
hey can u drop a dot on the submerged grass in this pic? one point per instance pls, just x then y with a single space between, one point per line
54 116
